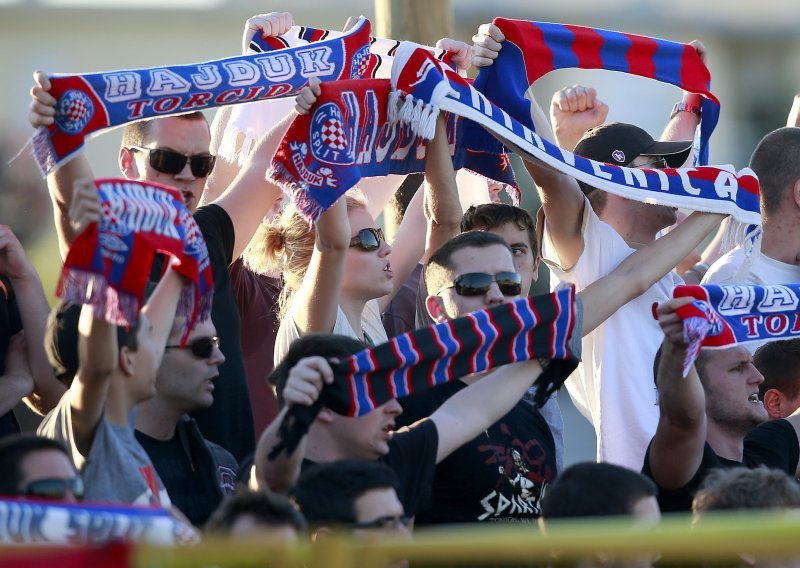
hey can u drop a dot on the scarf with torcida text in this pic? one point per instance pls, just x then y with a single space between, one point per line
546 327
108 264
92 102
346 128
533 49
724 315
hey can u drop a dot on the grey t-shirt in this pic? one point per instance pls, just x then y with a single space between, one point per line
117 469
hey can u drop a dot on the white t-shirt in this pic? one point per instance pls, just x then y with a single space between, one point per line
762 270
370 324
614 386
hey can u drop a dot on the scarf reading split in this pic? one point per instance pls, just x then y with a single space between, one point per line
533 49
348 136
546 327
428 87
725 315
108 264
92 102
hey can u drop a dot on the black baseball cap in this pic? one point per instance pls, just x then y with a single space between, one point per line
619 143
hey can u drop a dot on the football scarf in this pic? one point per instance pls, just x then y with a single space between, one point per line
533 49
109 263
424 86
724 315
37 522
348 135
92 102
546 327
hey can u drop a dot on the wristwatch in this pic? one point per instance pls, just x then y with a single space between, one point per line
688 107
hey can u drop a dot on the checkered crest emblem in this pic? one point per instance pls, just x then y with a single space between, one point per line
331 136
74 111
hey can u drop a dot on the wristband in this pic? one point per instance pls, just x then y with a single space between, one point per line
687 107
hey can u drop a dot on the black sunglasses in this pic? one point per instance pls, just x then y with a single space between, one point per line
171 162
478 283
389 522
368 239
202 347
55 488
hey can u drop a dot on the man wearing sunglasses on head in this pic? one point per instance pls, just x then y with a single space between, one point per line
38 468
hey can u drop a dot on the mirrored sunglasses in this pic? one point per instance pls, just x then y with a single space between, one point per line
368 239
389 522
172 163
201 347
478 283
55 488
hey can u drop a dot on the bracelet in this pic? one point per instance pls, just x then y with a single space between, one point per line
698 269
687 107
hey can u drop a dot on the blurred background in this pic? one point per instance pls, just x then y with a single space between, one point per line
753 53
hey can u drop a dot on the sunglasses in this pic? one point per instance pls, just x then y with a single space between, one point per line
55 488
478 283
170 162
389 522
201 347
368 239
660 163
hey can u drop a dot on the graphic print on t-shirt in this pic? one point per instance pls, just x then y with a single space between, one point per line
523 471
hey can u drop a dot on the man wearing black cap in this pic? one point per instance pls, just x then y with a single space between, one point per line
586 233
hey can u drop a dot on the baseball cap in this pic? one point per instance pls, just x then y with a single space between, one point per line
619 143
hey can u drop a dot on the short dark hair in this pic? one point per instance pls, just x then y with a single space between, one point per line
776 162
699 365
61 339
595 490
743 488
313 344
489 216
327 492
135 133
13 451
266 508
441 260
779 362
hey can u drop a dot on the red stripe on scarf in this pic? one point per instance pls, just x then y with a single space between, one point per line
640 55
586 46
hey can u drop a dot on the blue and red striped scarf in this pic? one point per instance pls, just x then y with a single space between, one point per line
109 263
92 102
533 49
545 327
728 314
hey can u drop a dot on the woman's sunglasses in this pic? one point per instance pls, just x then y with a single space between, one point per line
478 283
201 347
368 239
54 488
172 163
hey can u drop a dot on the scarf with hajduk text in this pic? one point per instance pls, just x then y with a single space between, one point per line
93 102
109 263
348 135
546 327
727 314
533 49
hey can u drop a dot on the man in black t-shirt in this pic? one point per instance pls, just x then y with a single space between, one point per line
713 418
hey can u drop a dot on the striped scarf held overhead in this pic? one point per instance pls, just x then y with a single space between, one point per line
533 49
729 314
546 327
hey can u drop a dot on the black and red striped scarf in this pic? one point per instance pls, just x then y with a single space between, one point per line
545 327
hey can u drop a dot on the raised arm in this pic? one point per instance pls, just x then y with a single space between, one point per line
33 311
677 447
60 182
794 113
640 270
561 196
303 386
16 382
683 122
473 409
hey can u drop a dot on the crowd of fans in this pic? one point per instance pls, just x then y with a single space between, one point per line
145 416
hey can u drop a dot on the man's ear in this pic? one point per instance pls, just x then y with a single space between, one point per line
772 403
536 262
325 415
125 360
320 534
435 307
127 165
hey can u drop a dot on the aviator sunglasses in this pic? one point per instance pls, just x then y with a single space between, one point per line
368 239
55 488
171 162
201 347
478 283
